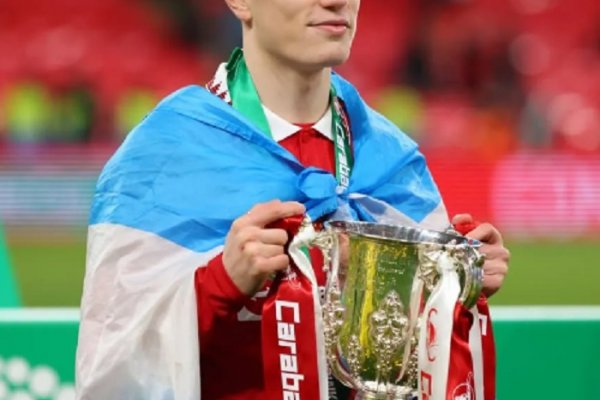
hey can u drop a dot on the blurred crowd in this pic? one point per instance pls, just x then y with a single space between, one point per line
491 76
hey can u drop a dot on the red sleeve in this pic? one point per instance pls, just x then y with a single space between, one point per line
217 297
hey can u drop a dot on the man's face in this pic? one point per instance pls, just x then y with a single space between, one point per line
307 34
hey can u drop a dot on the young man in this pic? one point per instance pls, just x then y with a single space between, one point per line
200 182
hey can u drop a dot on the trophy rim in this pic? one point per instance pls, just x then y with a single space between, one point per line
401 233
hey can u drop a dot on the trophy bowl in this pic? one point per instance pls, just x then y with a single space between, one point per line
380 277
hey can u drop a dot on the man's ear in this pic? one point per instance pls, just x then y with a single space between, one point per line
241 9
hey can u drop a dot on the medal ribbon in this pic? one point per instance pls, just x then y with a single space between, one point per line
246 100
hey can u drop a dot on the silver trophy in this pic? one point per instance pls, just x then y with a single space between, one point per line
379 279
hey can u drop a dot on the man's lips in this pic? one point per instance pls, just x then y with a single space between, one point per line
337 26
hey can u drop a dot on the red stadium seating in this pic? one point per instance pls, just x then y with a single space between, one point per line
114 45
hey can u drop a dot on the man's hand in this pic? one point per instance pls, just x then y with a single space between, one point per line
496 255
253 253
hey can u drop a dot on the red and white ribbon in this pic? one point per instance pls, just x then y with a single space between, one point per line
436 333
456 345
292 333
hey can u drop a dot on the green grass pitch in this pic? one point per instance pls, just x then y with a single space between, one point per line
542 273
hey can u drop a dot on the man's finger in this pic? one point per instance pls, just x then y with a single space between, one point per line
274 264
462 219
495 268
491 284
266 213
249 218
486 233
494 252
261 250
272 236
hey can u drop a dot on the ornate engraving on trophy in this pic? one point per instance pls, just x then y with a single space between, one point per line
326 243
412 367
389 332
427 271
354 357
333 317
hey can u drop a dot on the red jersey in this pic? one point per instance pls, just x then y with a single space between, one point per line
229 321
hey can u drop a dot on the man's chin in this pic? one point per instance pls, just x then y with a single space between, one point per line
334 57
316 58
337 61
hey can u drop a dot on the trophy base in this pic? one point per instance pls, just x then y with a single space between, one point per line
385 396
377 396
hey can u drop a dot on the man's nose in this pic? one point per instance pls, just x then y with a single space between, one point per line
334 4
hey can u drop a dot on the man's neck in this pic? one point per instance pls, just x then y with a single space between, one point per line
294 95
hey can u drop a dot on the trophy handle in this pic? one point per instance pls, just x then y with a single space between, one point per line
472 269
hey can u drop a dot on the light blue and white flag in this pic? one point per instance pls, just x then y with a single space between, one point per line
164 204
